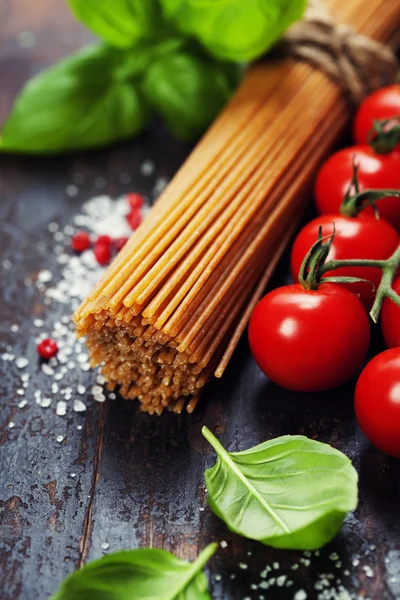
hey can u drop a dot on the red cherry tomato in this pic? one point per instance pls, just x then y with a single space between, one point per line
390 320
102 249
376 171
361 237
377 401
309 341
382 104
47 348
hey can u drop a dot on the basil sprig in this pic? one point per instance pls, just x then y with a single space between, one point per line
290 492
171 57
139 575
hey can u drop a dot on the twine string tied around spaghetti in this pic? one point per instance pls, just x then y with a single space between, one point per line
358 63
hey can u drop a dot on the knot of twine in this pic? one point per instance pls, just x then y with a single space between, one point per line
359 64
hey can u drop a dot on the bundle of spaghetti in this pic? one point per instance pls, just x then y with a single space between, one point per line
171 308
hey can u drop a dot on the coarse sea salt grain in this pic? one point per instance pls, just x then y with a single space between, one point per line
60 438
21 362
61 408
79 406
11 424
105 546
22 404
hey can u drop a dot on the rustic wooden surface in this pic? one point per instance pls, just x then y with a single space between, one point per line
139 479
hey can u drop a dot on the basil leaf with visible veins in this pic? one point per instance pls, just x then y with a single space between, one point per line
87 100
121 23
234 29
146 574
290 492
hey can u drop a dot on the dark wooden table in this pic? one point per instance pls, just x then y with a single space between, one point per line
139 479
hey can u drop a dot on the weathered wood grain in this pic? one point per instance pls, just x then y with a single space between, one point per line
139 479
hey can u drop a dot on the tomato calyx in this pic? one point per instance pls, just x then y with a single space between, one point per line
384 135
355 201
315 265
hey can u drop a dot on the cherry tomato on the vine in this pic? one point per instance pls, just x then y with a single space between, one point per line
390 320
377 401
380 105
375 171
309 340
360 237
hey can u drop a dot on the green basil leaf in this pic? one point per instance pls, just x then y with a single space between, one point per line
147 574
120 23
290 492
188 89
82 102
234 29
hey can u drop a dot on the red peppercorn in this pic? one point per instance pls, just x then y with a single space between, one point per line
104 240
102 253
134 219
80 241
120 242
135 201
47 348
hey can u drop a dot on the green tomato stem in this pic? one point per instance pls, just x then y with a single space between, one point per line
389 269
354 203
382 139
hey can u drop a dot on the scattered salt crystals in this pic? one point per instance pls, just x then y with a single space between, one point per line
79 406
368 571
21 362
160 185
20 392
112 396
37 393
8 356
60 438
100 183
47 370
7 264
11 424
73 475
355 562
25 377
300 595
71 364
334 556
217 577
82 358
105 546
54 388
71 190
372 547
223 544
81 389
26 39
22 403
124 178
243 566
79 427
53 227
44 276
275 565
14 328
100 379
45 402
147 167
61 408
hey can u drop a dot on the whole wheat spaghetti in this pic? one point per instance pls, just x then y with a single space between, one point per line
170 309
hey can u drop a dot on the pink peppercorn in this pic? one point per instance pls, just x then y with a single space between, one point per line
47 348
80 241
